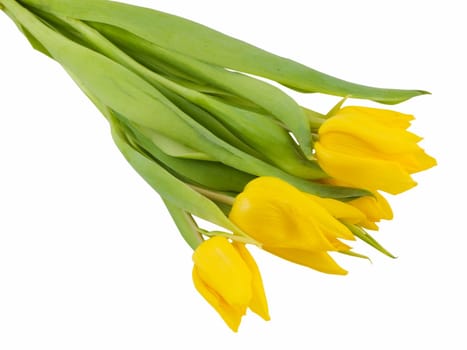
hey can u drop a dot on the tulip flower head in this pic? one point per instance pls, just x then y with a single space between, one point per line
374 208
294 225
371 148
226 275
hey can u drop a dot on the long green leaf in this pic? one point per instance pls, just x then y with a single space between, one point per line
185 224
266 96
131 96
367 238
264 135
182 35
168 186
255 129
32 40
81 33
122 90
207 120
213 175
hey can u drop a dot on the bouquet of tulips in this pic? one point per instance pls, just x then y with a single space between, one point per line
187 112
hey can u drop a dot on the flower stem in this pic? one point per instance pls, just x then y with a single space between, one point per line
217 196
233 237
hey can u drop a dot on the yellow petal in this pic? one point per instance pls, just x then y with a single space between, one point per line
384 116
230 314
277 214
371 174
326 221
340 210
370 225
372 144
339 245
385 210
320 261
375 208
293 224
412 158
223 270
258 303
356 130
414 162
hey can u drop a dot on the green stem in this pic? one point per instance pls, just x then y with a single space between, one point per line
214 195
315 119
233 237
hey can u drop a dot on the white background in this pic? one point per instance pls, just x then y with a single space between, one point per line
89 257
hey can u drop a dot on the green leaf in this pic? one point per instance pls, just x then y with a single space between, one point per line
367 238
266 96
174 148
354 254
123 91
207 120
115 86
213 175
185 224
256 130
185 36
337 107
265 135
168 186
32 40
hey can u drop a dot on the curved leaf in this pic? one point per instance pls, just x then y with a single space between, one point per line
185 36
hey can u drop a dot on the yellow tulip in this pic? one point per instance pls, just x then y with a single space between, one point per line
371 148
226 275
375 208
292 224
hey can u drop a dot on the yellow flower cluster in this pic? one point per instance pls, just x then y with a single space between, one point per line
359 147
